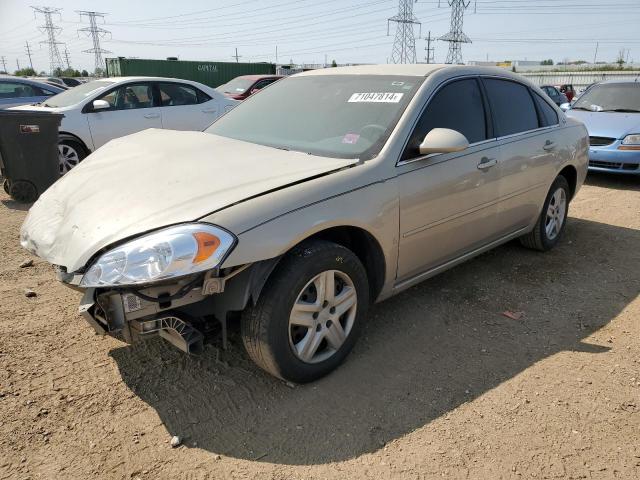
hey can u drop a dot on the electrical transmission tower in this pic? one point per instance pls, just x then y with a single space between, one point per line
55 60
4 64
29 55
456 37
66 58
404 45
96 34
430 58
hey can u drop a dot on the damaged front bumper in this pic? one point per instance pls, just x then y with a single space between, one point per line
131 318
182 312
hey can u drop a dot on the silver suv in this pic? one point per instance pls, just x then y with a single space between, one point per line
316 197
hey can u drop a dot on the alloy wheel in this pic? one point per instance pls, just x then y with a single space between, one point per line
322 316
67 157
556 212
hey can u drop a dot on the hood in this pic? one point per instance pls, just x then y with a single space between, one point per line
607 124
152 179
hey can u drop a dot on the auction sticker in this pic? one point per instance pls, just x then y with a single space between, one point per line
376 97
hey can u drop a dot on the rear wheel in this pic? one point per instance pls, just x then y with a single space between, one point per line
70 154
552 220
310 314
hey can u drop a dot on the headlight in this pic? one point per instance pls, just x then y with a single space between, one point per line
167 253
630 142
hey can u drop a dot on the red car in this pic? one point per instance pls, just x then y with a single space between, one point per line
241 87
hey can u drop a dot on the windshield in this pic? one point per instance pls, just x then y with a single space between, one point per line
77 94
623 97
236 86
339 116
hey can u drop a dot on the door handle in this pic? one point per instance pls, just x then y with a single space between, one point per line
209 110
549 145
486 162
152 115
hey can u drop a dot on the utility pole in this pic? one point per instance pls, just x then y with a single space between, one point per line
18 63
404 45
236 56
96 34
430 50
55 60
595 56
4 64
456 37
276 54
66 57
29 55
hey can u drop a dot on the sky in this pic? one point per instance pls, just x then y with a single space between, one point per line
308 31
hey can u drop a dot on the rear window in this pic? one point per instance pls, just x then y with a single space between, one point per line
512 107
548 114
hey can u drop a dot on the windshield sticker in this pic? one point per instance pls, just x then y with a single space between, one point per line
376 97
351 138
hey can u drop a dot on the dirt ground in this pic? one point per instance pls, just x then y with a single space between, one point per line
442 385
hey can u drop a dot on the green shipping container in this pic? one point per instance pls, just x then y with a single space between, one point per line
209 73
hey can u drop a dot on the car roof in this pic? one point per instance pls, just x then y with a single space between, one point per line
412 70
258 77
28 81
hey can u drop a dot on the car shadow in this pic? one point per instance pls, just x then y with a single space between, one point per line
423 353
612 180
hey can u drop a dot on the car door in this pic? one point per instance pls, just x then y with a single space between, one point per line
526 126
132 109
185 107
448 201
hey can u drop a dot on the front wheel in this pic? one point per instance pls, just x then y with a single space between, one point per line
310 313
552 220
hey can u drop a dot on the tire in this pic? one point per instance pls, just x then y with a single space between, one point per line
276 344
6 185
70 154
23 191
542 238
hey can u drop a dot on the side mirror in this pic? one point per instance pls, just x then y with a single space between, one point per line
565 106
100 105
443 140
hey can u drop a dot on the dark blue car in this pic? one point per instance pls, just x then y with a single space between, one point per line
22 91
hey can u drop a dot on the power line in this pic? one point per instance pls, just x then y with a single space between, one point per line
96 33
456 37
55 61
404 45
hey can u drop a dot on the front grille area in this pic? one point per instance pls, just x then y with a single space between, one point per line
600 141
614 165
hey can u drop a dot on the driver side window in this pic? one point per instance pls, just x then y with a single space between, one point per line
130 97
457 106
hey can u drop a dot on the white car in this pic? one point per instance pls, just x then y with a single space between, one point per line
102 110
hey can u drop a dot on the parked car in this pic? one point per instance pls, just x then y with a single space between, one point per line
568 91
330 190
241 87
64 81
21 91
611 112
554 94
99 111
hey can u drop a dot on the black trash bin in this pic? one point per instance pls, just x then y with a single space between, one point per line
28 152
